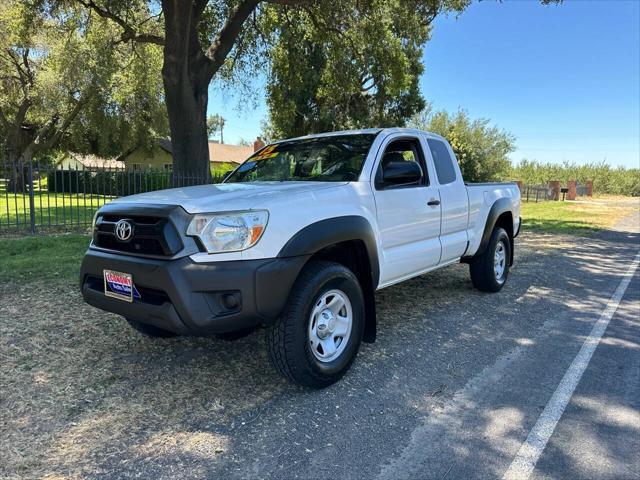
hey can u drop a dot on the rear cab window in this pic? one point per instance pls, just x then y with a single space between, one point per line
442 160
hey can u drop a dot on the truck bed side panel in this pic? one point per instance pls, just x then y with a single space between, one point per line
481 197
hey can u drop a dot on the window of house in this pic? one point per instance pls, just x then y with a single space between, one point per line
137 166
168 166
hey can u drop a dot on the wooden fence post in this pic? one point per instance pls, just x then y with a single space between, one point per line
554 187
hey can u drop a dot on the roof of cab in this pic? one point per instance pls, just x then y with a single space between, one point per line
375 131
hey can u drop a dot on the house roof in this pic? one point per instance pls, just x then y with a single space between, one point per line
222 152
93 161
218 152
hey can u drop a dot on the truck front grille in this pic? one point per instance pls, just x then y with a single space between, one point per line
154 236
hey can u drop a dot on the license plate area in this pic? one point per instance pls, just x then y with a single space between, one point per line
119 285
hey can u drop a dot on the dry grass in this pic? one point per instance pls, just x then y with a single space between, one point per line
80 388
576 217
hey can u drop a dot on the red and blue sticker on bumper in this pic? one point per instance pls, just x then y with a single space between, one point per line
120 285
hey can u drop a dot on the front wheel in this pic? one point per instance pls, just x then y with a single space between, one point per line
490 270
318 335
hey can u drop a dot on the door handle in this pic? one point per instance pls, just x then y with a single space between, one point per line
433 203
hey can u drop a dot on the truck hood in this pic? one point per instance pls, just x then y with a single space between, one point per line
227 196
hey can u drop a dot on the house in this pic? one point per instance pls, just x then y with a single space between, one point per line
79 161
222 156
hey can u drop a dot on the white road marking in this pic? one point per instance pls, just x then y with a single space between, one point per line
530 451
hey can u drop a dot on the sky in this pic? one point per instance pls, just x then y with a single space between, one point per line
565 79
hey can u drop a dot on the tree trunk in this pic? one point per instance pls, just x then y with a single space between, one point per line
19 152
186 82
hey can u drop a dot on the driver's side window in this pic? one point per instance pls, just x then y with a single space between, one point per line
402 150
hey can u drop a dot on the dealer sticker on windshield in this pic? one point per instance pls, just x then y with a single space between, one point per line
120 285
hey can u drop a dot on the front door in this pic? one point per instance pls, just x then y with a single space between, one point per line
408 215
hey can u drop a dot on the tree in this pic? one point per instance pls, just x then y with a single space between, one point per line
65 78
207 38
357 65
215 124
482 150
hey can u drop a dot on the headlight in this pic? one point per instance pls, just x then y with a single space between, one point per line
228 232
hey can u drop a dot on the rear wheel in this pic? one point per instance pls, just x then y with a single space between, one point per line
315 340
150 330
490 270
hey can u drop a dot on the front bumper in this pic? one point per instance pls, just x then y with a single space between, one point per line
191 298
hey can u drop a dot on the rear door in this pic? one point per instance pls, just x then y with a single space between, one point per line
453 198
409 226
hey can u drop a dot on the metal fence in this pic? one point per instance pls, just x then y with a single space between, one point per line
38 198
535 193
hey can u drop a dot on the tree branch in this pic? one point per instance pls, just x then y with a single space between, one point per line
224 42
24 77
129 33
221 46
4 123
22 112
40 143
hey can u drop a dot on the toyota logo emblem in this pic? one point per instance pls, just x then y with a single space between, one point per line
124 230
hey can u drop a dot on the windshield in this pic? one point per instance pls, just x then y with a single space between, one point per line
322 159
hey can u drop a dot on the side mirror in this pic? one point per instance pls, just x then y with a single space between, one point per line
401 173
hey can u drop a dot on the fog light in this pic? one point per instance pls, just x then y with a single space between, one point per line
230 301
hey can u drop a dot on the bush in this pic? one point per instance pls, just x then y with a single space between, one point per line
115 183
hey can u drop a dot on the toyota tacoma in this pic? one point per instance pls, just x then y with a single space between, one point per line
298 239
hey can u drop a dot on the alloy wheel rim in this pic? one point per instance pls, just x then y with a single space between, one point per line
330 325
500 261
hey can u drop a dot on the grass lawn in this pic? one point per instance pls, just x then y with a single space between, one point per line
577 217
50 209
42 258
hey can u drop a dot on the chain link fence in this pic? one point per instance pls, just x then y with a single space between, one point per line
36 198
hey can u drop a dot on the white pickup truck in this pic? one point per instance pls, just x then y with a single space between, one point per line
298 239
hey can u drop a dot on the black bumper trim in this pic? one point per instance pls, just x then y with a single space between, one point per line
194 291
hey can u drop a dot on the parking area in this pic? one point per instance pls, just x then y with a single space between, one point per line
451 389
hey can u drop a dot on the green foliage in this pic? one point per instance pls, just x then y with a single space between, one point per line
481 149
606 179
218 170
105 182
353 64
215 124
69 81
117 183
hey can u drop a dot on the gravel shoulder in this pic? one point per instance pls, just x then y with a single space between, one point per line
83 396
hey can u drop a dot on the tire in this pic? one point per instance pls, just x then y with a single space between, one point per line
150 330
294 341
487 274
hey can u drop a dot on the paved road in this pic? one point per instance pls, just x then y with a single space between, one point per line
456 381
